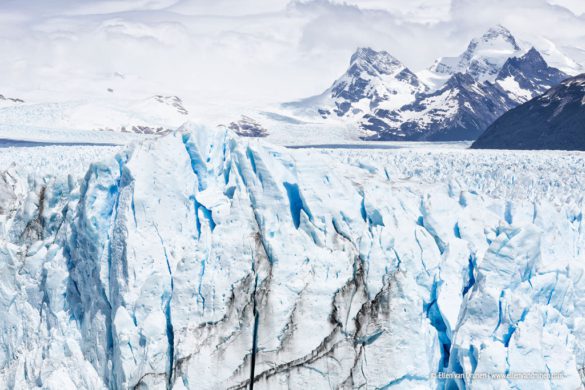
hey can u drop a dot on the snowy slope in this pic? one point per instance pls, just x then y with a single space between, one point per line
48 135
154 115
202 261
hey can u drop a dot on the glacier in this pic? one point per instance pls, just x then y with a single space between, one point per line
201 260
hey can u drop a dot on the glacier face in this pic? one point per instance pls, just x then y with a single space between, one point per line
202 260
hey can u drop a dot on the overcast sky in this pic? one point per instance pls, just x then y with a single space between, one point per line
264 50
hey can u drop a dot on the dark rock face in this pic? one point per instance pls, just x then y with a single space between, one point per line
555 120
531 73
461 110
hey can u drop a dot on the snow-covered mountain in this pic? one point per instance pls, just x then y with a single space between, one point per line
205 261
526 77
464 106
555 120
374 80
483 58
154 115
460 110
465 93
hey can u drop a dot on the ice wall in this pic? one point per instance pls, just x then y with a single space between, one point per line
203 261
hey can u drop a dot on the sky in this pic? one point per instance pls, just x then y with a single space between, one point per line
248 50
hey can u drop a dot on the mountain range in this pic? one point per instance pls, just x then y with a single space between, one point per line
457 98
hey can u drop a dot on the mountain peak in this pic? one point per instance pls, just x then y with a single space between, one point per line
374 80
495 37
382 61
376 76
363 53
533 54
531 58
528 76
500 31
483 57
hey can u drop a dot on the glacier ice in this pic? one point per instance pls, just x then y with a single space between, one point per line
201 261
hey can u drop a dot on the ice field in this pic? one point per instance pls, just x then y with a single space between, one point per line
200 260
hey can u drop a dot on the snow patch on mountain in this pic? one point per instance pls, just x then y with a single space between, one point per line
513 88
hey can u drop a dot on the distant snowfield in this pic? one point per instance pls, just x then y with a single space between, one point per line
59 136
200 260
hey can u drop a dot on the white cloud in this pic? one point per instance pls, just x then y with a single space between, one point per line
420 11
244 49
577 6
111 6
229 7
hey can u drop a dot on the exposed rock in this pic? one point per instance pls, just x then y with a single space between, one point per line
554 120
248 127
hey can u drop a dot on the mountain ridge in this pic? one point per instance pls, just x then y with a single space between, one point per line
553 120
